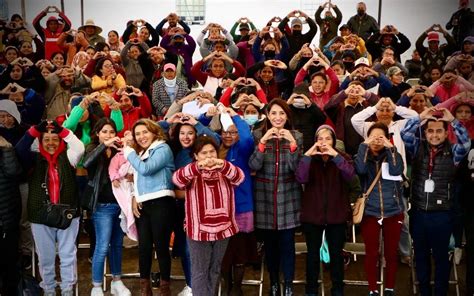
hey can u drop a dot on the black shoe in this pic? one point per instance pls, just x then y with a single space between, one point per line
155 280
275 290
388 293
374 293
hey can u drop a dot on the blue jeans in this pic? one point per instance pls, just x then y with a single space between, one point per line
431 232
180 246
108 232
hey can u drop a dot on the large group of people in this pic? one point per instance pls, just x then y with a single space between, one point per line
223 158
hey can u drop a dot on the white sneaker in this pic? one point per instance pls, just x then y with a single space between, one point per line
186 292
118 288
97 291
457 255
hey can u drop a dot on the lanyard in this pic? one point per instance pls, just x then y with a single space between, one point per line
433 152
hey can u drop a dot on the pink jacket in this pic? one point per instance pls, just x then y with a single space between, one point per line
444 93
119 167
332 87
452 104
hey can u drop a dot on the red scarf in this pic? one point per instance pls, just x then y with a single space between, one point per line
53 173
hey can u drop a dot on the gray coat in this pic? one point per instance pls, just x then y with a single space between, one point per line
277 194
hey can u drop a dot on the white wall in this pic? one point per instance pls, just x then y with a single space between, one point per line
411 17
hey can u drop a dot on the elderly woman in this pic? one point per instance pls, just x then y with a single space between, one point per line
53 182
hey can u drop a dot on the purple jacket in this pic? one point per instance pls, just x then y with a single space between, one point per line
326 195
186 51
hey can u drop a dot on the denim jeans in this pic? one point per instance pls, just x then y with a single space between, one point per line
108 233
180 246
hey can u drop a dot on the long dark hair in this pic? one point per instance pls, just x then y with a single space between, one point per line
99 126
175 145
286 109
95 139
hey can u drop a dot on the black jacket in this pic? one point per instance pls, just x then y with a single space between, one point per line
98 172
443 175
10 199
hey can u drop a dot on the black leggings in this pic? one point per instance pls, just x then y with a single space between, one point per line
154 227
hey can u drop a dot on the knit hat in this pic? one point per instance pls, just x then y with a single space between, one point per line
76 101
433 36
51 19
244 26
11 108
328 127
393 71
90 23
296 22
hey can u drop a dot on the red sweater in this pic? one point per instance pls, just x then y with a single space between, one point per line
322 99
133 114
210 207
50 38
227 95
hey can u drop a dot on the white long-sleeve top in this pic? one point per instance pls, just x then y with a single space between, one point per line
394 128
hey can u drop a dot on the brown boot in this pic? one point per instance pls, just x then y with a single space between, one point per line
165 288
145 287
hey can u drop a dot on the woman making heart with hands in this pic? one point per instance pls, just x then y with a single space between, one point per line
328 177
277 194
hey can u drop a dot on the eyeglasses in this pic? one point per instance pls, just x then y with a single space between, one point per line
231 133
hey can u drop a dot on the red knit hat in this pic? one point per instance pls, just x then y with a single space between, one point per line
433 36
52 19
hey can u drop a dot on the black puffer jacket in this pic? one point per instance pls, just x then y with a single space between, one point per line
10 200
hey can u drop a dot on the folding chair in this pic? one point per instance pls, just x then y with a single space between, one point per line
355 248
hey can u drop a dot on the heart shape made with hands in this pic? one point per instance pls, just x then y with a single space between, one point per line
244 20
436 28
12 88
277 19
140 23
297 14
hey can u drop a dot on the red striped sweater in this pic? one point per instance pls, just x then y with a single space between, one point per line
210 207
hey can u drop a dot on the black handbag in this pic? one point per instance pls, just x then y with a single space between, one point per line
57 215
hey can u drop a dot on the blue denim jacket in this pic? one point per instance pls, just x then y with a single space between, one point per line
153 170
